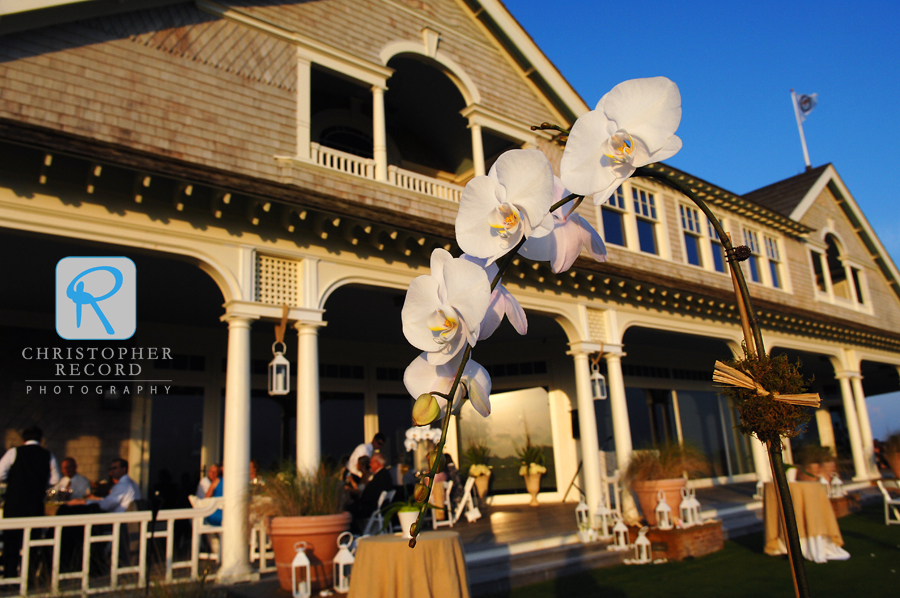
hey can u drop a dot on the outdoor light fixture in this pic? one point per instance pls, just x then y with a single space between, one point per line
343 562
686 508
301 575
620 531
598 383
642 547
837 486
605 519
583 518
663 511
279 372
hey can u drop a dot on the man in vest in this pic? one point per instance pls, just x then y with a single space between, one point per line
28 471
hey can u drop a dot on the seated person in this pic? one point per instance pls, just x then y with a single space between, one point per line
368 501
205 482
72 480
124 491
355 484
214 491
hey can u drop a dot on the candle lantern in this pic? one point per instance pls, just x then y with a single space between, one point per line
695 505
663 511
582 516
642 547
343 562
826 485
605 519
301 575
837 486
620 532
598 383
279 372
686 508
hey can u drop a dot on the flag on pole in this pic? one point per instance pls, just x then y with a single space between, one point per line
805 104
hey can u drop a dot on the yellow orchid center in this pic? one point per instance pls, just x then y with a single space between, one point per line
445 325
621 147
505 219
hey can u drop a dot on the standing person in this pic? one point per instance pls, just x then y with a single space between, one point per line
72 480
366 449
124 491
28 471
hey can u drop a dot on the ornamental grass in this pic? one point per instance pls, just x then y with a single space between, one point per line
292 493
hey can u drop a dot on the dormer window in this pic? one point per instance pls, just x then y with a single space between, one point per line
838 280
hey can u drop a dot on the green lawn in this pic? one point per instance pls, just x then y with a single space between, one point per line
742 569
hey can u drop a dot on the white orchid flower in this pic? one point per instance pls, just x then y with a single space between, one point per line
633 125
445 309
423 377
502 303
570 233
511 202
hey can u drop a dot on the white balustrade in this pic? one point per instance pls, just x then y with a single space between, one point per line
424 184
125 527
342 161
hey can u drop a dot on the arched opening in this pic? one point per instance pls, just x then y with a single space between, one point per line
422 112
839 281
671 398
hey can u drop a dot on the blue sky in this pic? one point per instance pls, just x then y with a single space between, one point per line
735 64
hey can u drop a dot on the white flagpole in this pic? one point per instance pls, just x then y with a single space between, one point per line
800 128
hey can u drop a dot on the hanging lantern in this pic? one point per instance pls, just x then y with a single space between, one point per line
695 506
642 547
837 486
279 372
604 518
598 383
663 511
343 562
686 508
301 575
620 532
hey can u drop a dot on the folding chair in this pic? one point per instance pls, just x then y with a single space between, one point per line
448 518
467 503
376 520
891 505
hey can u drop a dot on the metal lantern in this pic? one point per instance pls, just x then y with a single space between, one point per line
837 486
301 575
620 532
279 372
695 505
605 519
598 383
343 562
826 485
582 516
642 547
663 511
686 508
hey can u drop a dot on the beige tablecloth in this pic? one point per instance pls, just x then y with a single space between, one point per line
820 536
386 567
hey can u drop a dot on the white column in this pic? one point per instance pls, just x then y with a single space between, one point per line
859 460
379 134
304 118
760 460
865 426
587 426
621 426
309 446
477 149
235 548
211 447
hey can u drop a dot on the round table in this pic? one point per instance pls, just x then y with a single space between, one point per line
817 527
386 567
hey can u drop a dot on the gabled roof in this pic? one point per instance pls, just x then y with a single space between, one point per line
784 196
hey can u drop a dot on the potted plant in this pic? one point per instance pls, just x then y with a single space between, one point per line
307 506
663 469
478 454
532 468
407 511
891 450
813 461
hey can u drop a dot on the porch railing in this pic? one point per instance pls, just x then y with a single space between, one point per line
365 168
134 528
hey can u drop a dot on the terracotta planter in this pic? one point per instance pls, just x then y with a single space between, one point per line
481 485
814 469
647 495
893 460
533 485
320 534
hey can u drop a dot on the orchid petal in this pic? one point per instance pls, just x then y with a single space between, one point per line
647 108
566 245
580 167
528 179
478 200
494 315
468 290
421 302
590 238
514 312
669 150
479 387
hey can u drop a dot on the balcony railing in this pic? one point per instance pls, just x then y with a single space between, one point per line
365 168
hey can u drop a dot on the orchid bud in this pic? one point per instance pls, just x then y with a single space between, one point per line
442 461
420 493
425 410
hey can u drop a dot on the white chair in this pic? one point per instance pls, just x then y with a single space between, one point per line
376 520
260 538
891 506
448 517
211 531
467 504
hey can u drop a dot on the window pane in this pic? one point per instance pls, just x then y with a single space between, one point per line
644 203
817 269
776 279
647 236
859 293
692 249
718 255
753 264
618 199
613 227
